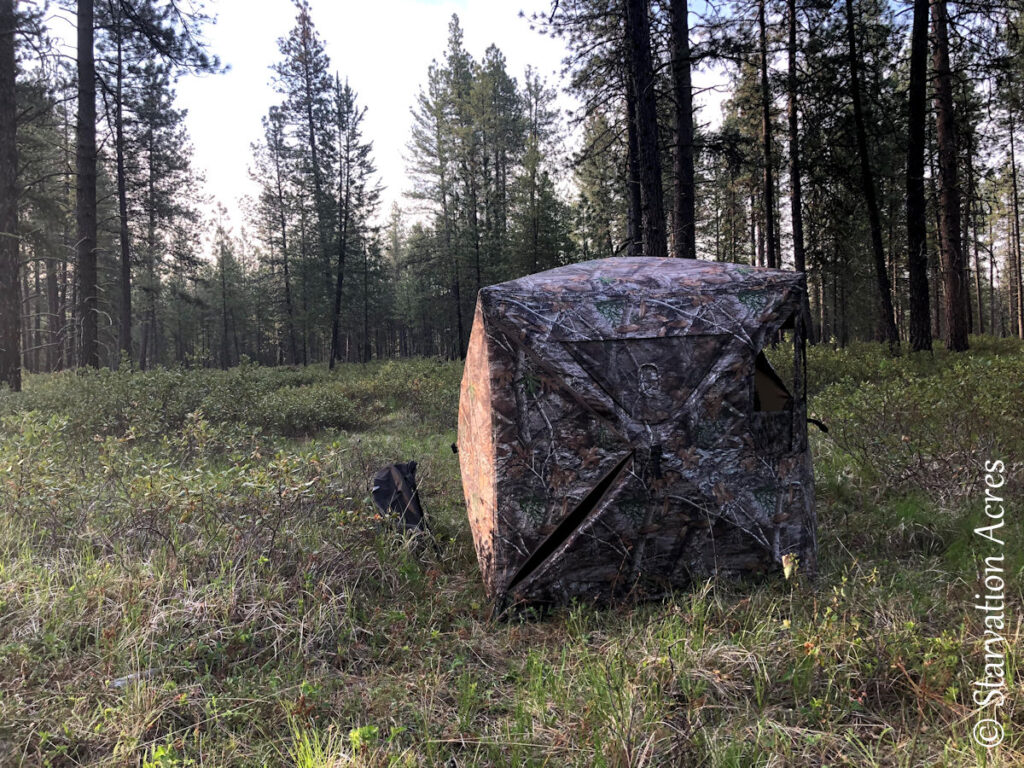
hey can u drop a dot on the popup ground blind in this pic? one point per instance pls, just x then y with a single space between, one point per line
621 432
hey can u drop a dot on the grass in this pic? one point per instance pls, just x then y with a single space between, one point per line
192 574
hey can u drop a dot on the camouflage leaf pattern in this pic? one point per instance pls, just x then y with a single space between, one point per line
608 437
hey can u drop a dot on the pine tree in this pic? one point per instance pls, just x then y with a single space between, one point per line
771 233
85 186
303 78
435 160
534 203
358 196
887 324
684 235
598 169
499 120
917 259
274 213
134 35
164 195
641 82
10 281
953 263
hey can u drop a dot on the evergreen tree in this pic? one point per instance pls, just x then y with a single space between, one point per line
358 196
85 186
917 259
953 262
274 213
304 80
10 282
886 322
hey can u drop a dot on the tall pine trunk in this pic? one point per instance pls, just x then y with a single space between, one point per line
37 318
26 321
771 236
634 243
641 71
887 324
147 344
366 305
319 200
1008 326
282 221
684 235
448 244
124 335
799 259
225 350
968 225
10 286
917 229
991 280
344 205
795 189
977 280
85 190
1017 308
54 320
949 188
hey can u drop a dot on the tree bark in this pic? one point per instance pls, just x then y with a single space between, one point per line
977 281
991 280
949 188
225 350
634 245
26 321
917 254
319 201
1017 311
799 259
85 190
366 305
37 318
887 324
449 249
344 205
148 358
274 147
684 236
795 189
10 284
1009 325
771 236
125 324
641 71
968 224
756 235
54 326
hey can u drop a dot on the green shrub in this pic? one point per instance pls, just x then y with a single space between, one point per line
930 432
279 401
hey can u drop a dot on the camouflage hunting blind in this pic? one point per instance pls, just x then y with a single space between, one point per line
622 433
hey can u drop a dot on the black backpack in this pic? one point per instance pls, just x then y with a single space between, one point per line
395 495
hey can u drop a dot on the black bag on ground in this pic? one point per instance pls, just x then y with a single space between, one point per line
395 495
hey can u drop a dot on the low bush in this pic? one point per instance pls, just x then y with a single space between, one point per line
278 401
924 422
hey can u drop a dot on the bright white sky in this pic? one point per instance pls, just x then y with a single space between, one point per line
384 48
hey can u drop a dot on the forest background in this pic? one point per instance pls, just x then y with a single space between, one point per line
872 145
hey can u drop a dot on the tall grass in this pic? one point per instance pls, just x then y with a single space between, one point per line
191 573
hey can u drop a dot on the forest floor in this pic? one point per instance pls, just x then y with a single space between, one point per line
192 574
